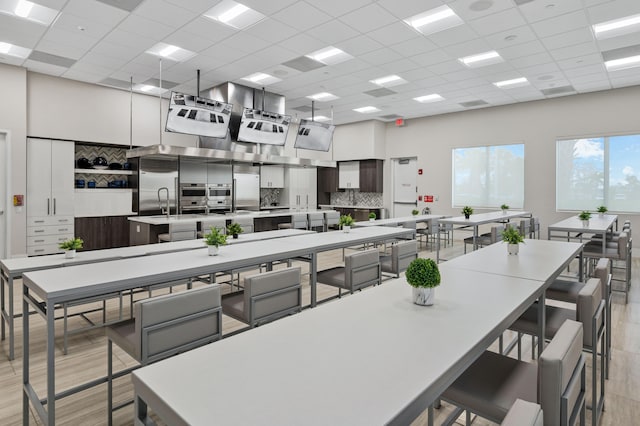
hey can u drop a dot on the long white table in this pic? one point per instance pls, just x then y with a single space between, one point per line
11 269
42 290
475 220
396 221
597 226
371 358
538 260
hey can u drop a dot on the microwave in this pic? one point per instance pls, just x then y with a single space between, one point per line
193 190
219 190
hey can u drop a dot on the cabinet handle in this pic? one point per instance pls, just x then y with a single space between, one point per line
38 241
62 229
38 221
54 206
39 230
37 250
63 220
48 206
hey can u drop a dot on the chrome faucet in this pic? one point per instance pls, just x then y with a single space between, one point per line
168 211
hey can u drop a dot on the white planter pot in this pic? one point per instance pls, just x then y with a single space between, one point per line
70 254
372 219
585 223
513 249
346 228
213 250
505 211
600 215
424 295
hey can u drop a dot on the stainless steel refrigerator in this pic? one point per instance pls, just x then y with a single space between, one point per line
246 187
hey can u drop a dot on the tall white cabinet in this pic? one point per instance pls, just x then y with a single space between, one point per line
50 195
303 189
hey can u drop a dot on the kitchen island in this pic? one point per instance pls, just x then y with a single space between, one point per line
145 229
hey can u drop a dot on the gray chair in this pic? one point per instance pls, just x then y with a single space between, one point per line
620 253
265 297
486 239
490 386
316 220
534 228
590 312
164 326
179 231
246 223
430 233
524 413
361 269
402 254
298 221
207 224
331 219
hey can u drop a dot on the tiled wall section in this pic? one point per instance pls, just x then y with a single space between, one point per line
112 155
361 198
268 196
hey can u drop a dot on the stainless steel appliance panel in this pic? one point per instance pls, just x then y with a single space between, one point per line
246 189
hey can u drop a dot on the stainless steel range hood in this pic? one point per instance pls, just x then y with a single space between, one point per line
220 155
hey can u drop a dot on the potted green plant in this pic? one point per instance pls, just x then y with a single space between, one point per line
504 208
345 222
584 217
414 212
513 238
234 229
372 216
602 210
424 276
70 247
467 211
213 239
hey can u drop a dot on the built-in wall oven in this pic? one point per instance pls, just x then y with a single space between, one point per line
193 198
219 196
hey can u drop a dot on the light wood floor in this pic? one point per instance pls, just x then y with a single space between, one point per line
87 360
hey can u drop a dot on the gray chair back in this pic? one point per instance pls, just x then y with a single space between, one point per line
316 220
588 310
496 233
182 231
173 323
402 254
561 376
523 413
525 227
271 295
362 269
299 221
220 224
246 223
331 218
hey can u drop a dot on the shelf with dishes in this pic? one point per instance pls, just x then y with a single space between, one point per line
103 171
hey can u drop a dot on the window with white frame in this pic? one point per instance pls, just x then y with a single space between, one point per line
488 176
597 171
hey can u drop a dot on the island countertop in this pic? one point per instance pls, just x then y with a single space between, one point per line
186 218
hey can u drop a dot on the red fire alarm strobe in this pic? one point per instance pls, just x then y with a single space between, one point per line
419 171
399 122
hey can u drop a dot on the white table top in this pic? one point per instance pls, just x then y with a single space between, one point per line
397 220
190 218
74 282
597 224
18 266
371 358
482 218
539 260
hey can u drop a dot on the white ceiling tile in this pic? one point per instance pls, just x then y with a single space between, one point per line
368 18
186 40
139 25
613 10
165 13
302 16
333 32
531 60
393 33
266 7
432 58
95 11
20 32
73 23
399 66
65 43
549 68
206 29
471 47
494 68
574 51
338 7
511 37
591 87
357 45
580 61
570 38
271 30
467 9
197 6
381 56
472 83
414 46
51 4
599 77
43 68
82 75
598 69
305 44
454 35
203 62
497 22
561 24
245 42
538 10
459 75
407 8
447 67
522 50
431 82
112 50
222 54
550 84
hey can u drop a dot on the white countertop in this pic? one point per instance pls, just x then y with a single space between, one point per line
186 218
350 206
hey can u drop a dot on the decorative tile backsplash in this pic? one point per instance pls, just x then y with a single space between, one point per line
361 198
111 154
268 196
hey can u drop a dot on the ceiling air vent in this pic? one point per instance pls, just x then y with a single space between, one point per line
390 116
378 93
116 83
558 90
521 2
48 58
128 5
303 64
302 108
166 84
472 104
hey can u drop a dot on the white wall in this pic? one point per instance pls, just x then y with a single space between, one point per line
358 141
536 124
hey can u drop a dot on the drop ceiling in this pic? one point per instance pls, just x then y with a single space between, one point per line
549 42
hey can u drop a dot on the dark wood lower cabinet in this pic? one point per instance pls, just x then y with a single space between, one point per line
102 232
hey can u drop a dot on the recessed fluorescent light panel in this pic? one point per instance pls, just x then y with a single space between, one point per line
169 51
329 56
13 50
389 81
148 89
434 20
318 118
261 78
366 110
482 59
434 97
234 14
28 10
323 97
617 27
510 84
622 63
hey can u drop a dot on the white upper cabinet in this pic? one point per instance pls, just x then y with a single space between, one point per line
349 174
272 177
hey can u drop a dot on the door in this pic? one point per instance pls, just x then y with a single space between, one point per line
404 186
62 192
4 179
39 178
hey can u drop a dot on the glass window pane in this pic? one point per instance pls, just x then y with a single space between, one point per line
624 167
580 174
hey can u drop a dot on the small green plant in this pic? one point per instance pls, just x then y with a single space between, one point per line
512 235
504 207
467 211
602 209
72 244
346 220
423 273
234 228
585 215
414 212
215 237
372 215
